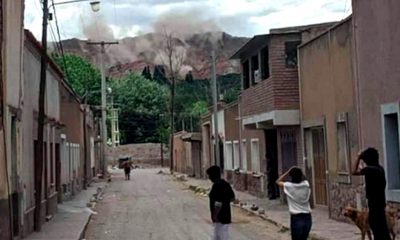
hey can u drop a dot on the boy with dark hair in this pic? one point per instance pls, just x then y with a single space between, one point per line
375 185
221 196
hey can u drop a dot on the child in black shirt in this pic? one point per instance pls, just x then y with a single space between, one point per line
221 196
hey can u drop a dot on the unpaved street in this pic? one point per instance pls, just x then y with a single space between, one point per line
152 206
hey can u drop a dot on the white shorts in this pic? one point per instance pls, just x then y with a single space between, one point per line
221 231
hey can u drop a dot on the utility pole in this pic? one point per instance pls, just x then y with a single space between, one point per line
103 103
41 105
215 101
114 124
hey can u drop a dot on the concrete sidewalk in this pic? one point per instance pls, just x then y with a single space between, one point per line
71 218
323 228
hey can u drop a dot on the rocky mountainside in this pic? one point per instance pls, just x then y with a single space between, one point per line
133 54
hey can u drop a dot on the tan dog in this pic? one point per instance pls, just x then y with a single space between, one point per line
360 218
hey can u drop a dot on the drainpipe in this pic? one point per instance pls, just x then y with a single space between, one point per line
240 134
85 148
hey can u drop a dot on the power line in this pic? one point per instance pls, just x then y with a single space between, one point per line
345 9
60 43
55 42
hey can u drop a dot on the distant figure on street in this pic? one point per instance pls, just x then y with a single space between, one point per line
221 196
375 185
127 169
272 175
298 192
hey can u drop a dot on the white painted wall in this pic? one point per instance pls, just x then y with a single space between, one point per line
31 77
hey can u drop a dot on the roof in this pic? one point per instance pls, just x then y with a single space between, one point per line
192 137
299 29
338 24
257 40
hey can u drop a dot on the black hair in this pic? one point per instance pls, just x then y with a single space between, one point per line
370 156
296 175
214 172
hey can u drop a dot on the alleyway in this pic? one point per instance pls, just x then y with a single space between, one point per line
152 206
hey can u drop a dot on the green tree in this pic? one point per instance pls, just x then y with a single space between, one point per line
189 77
147 73
159 75
141 102
83 77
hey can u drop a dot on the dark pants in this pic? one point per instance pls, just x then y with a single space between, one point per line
127 173
378 224
300 226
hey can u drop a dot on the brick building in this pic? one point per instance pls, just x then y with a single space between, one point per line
269 98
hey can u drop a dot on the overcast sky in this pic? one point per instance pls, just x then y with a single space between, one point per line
128 18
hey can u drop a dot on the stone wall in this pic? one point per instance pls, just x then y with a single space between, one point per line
255 185
240 181
141 154
342 195
247 182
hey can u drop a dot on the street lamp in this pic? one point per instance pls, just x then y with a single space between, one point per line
95 5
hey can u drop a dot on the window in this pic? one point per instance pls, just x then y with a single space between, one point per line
343 157
245 74
255 155
254 67
392 150
391 144
236 155
291 53
265 63
342 148
228 155
244 155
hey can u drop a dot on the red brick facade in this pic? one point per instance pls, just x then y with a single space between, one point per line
280 91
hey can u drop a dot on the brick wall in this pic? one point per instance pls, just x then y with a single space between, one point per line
146 153
280 91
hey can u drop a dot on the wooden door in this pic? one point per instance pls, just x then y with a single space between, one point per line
320 179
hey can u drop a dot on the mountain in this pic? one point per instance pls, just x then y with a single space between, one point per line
133 54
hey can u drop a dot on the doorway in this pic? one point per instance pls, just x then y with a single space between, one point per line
319 166
271 140
15 196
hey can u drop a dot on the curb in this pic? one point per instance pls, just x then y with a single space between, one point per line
240 205
98 197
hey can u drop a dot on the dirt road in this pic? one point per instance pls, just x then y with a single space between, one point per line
157 207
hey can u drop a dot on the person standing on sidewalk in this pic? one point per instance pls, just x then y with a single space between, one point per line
375 186
221 196
298 193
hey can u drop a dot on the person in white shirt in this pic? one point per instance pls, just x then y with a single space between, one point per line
298 193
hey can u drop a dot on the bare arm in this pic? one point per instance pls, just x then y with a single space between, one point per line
280 181
356 171
216 211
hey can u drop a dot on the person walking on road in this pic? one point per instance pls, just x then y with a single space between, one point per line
221 196
375 186
298 192
127 169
